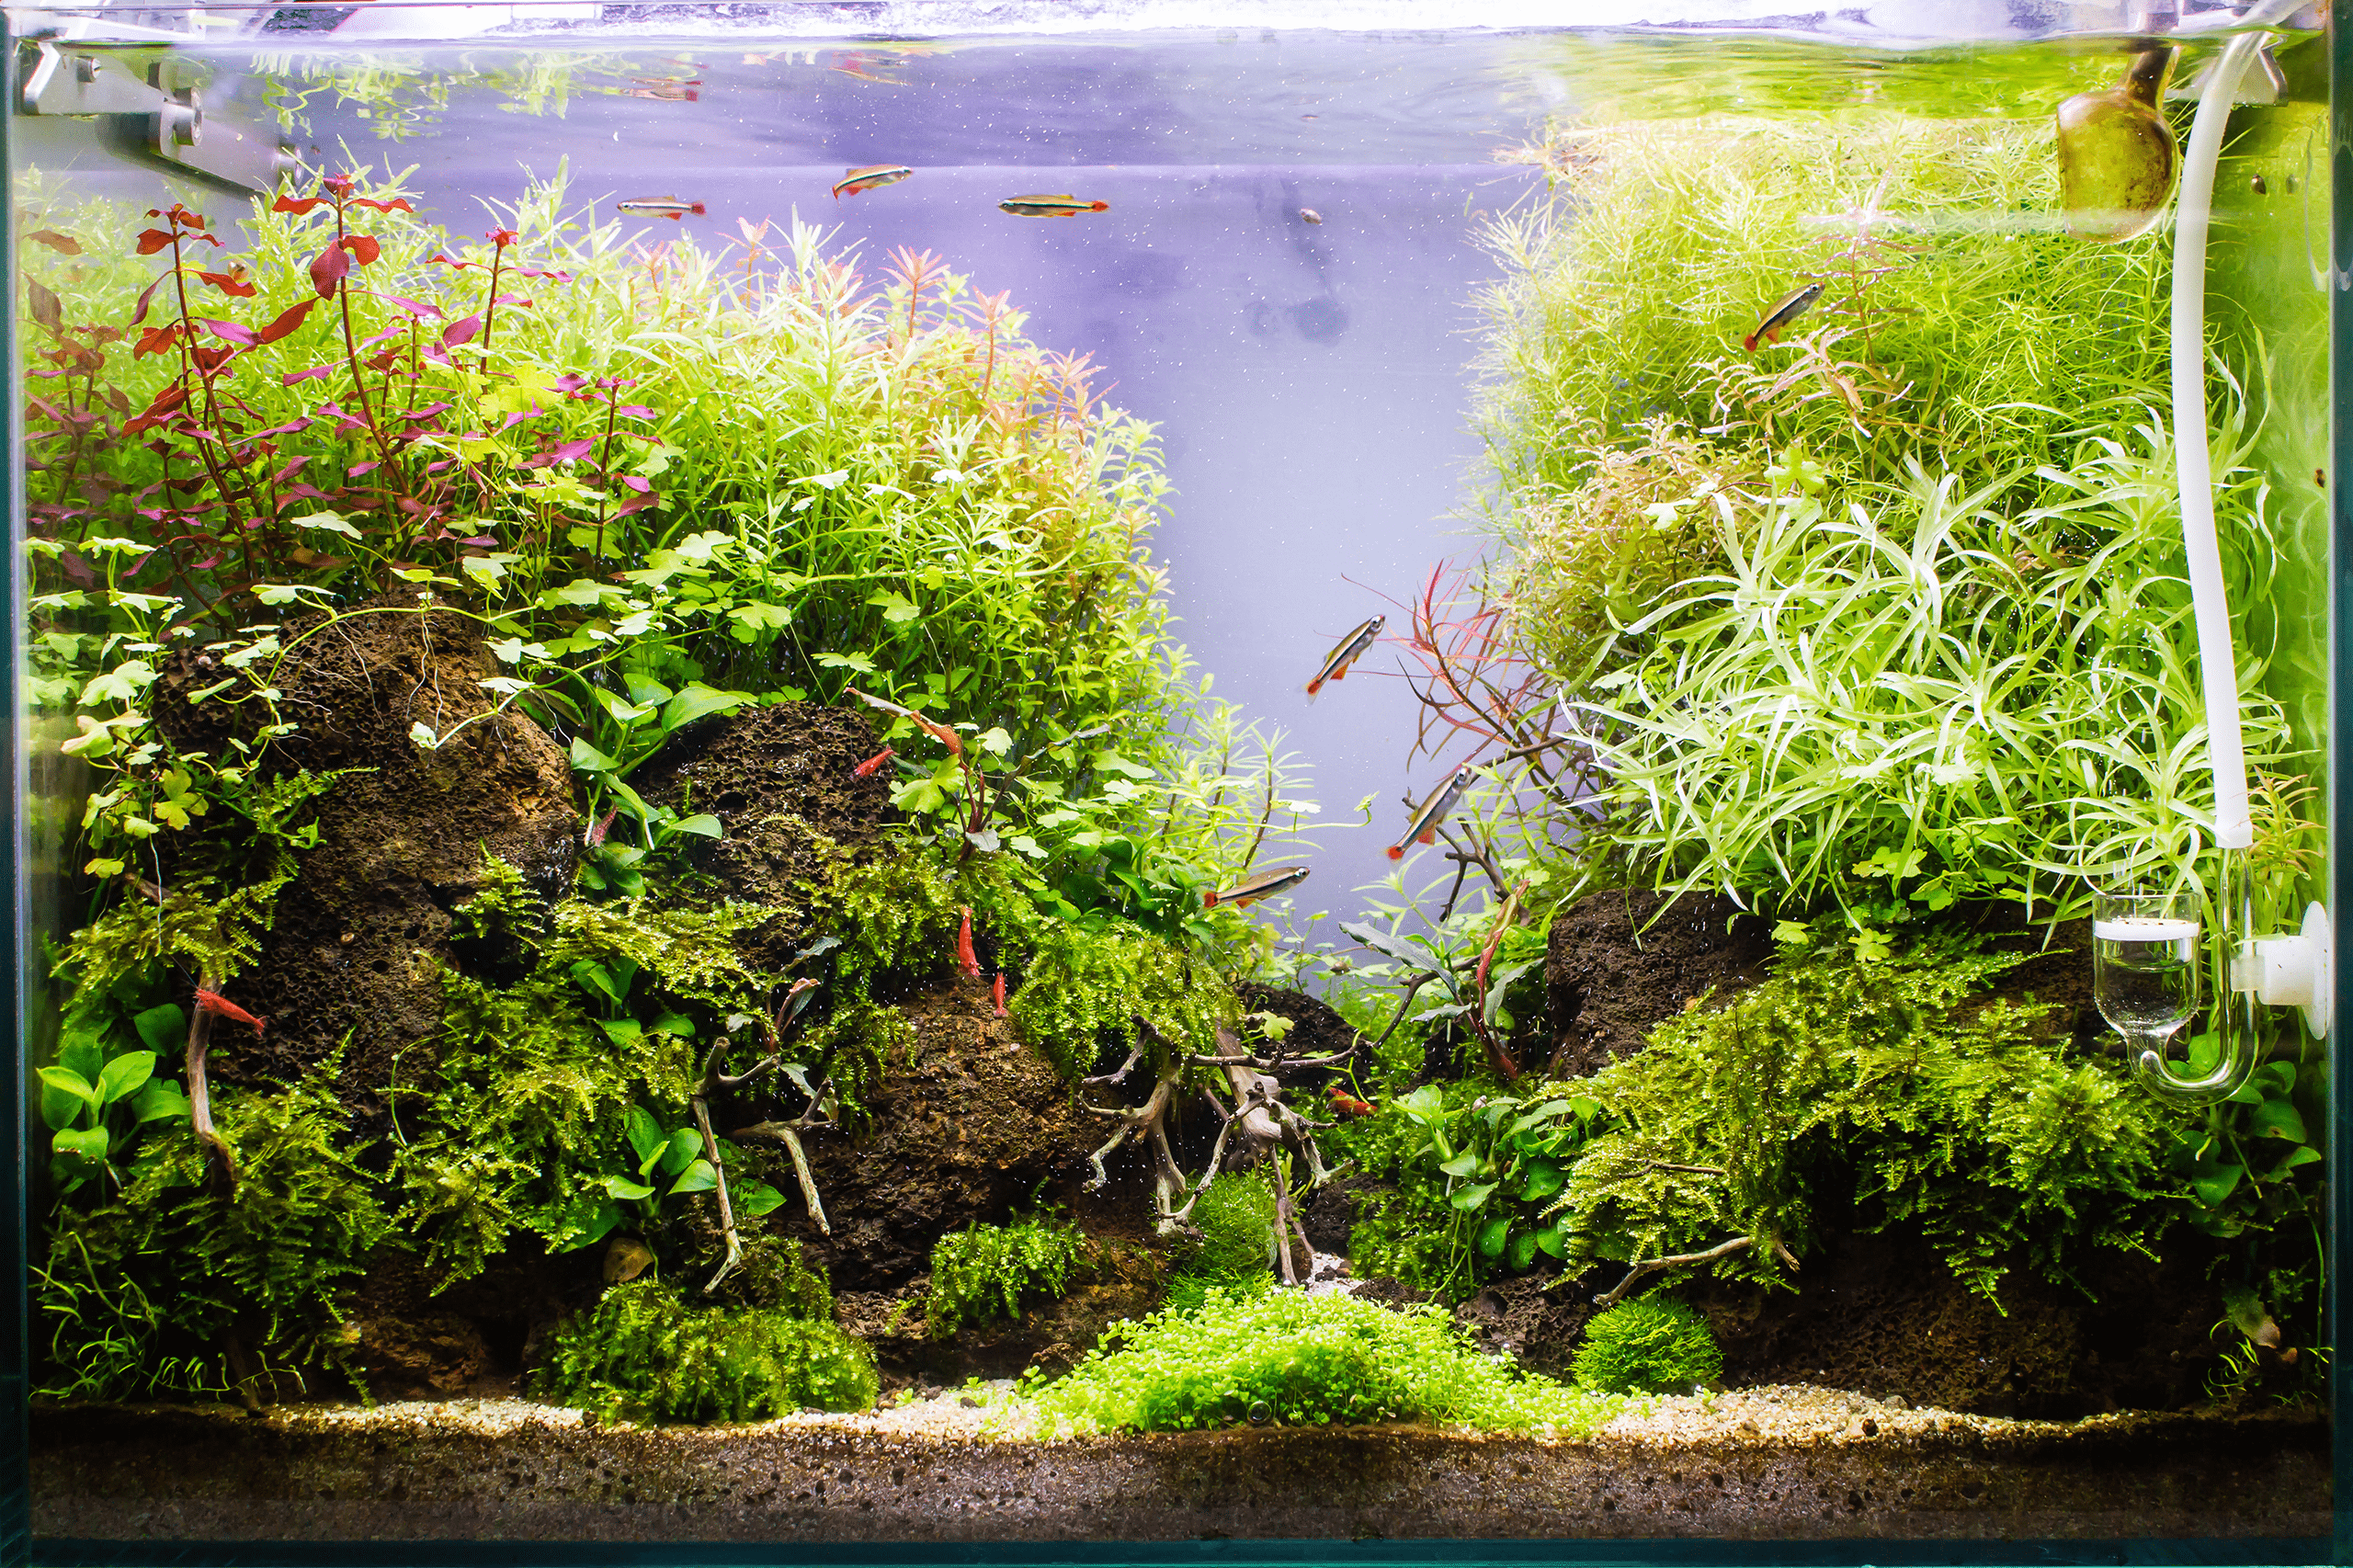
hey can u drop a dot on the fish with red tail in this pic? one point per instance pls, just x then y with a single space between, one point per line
220 1006
1063 206
668 207
869 177
1346 652
969 960
1794 305
1424 827
867 770
1258 885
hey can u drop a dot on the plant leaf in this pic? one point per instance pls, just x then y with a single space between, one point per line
124 1074
643 1133
161 1030
697 1178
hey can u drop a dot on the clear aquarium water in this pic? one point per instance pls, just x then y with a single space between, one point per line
859 775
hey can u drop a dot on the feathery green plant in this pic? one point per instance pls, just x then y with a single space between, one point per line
985 1271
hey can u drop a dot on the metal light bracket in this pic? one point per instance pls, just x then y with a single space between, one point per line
148 103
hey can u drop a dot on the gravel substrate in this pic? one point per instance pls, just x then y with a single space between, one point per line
1789 1462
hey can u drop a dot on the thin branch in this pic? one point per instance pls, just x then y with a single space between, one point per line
1659 1264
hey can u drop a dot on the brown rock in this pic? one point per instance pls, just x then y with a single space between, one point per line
436 1353
362 933
780 779
1620 964
964 1127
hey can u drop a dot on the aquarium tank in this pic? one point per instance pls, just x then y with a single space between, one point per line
1063 780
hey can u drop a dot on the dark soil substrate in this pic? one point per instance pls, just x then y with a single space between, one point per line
422 1472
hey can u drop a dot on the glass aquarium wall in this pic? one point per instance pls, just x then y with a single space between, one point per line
803 778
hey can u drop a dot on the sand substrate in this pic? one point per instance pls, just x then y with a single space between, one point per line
1757 1463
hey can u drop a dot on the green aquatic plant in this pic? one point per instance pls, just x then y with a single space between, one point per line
1235 1217
528 1115
1282 1356
984 1271
170 1284
1650 1345
644 1355
1625 299
97 1102
1791 726
1890 1085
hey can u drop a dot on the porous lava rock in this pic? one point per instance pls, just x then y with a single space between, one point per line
964 1123
1882 1316
1538 1319
361 933
781 780
1620 963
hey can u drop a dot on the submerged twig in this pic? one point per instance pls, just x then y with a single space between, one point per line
1641 1271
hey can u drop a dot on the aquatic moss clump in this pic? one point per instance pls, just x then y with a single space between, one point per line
1086 987
644 1355
985 1271
1235 1217
143 1296
1895 1088
1655 1345
1301 1360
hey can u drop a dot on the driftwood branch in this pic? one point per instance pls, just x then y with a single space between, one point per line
1660 1265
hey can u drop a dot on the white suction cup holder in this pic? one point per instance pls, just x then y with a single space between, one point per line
2291 970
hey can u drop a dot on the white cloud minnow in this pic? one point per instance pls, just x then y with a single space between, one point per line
1257 885
1423 829
1346 652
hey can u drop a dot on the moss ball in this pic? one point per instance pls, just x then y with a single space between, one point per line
1656 1345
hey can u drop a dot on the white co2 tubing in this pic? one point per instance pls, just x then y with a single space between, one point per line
2210 603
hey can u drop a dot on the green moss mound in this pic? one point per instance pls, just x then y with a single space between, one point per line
1235 1217
1283 1356
983 1271
1895 1087
644 1355
1656 1345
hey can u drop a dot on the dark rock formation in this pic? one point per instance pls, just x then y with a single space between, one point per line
779 779
1620 963
362 932
969 1123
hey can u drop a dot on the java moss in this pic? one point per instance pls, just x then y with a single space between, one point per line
1284 1356
1234 1217
143 1296
644 1355
984 1271
1895 1088
1654 1345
